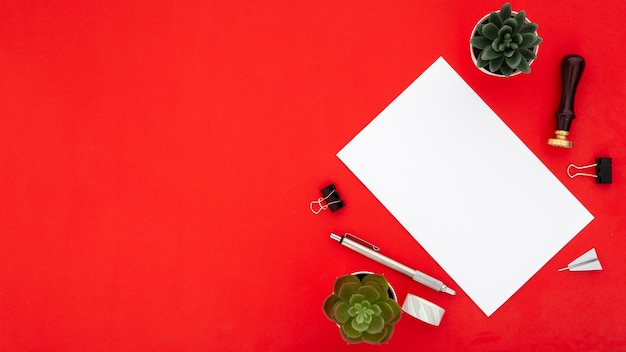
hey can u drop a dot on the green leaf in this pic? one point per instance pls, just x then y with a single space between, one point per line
341 312
375 278
505 11
384 293
529 40
479 29
390 311
370 293
349 330
509 52
505 30
489 54
514 60
506 70
511 22
527 53
360 319
340 281
368 316
490 31
528 28
356 298
386 311
518 38
495 19
388 332
349 339
480 62
397 312
524 66
494 65
328 305
376 325
347 278
480 42
376 338
348 289
358 326
354 309
520 18
376 310
497 44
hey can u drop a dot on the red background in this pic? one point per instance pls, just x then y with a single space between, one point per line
157 160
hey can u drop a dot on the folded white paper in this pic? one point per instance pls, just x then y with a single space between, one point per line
465 186
587 262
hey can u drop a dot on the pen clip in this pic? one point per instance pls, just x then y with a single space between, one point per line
362 241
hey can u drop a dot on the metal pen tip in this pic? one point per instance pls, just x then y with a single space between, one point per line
449 291
335 237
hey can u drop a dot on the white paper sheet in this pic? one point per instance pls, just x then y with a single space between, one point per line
465 186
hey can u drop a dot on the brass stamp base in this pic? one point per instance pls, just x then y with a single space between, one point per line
560 140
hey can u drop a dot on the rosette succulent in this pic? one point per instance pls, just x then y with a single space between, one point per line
362 308
504 42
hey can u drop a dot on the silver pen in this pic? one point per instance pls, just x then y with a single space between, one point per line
372 252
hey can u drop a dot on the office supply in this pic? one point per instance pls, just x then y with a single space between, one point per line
489 233
422 309
330 199
586 262
572 67
604 170
372 252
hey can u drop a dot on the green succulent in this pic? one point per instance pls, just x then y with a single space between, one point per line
505 41
362 308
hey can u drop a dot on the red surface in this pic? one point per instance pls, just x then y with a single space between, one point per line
157 160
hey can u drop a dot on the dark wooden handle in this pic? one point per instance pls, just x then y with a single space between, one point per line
572 67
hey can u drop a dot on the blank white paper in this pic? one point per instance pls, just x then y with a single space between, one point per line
465 186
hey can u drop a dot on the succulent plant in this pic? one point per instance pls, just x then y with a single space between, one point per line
504 42
362 308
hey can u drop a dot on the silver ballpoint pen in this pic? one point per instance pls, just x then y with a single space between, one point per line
372 252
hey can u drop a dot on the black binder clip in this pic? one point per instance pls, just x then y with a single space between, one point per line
329 199
603 170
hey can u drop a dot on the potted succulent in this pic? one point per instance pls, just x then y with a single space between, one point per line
364 307
504 43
